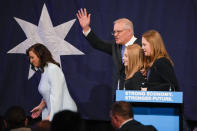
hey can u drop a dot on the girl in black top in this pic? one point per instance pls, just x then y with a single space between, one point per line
157 63
133 62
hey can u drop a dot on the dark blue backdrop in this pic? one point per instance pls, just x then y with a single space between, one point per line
89 76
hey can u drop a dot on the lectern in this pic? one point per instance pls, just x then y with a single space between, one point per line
162 109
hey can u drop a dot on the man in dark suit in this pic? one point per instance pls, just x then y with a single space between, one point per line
122 118
123 34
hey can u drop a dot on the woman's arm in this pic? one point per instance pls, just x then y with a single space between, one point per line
36 111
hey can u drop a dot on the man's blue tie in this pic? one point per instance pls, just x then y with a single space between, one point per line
122 52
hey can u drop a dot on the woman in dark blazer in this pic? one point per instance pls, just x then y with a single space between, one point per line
133 62
157 63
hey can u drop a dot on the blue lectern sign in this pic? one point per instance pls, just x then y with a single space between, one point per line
149 96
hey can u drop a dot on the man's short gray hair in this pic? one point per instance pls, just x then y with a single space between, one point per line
127 23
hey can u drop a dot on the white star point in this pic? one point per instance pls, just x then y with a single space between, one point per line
45 33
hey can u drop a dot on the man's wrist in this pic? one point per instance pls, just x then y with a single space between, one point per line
86 31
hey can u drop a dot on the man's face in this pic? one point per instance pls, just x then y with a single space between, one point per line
121 35
114 121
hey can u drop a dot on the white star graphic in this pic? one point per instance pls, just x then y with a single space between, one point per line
45 33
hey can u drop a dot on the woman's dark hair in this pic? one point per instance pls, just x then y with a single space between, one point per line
43 54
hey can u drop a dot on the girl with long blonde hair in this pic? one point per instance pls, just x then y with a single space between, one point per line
133 61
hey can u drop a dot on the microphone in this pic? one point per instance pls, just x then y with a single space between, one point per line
118 84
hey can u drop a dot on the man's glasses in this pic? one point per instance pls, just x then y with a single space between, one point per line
117 32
